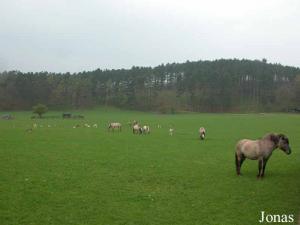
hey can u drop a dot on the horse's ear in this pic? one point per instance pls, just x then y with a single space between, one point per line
275 138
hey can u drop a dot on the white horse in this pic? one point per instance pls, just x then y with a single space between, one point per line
115 125
136 129
202 133
146 129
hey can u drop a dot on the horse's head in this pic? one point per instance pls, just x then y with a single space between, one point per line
283 144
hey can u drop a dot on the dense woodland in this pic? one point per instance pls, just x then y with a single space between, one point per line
205 86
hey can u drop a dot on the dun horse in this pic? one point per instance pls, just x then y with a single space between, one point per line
260 150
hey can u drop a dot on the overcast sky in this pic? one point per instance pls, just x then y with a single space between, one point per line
77 35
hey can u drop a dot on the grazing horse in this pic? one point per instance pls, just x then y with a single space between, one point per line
171 131
202 133
146 129
113 126
136 129
260 150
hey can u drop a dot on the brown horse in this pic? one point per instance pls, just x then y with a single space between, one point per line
260 150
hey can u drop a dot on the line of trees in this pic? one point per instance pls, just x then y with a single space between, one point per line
226 85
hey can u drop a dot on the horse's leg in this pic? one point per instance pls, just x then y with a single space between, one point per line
260 167
237 164
239 159
265 160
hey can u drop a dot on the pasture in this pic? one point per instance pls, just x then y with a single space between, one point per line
64 175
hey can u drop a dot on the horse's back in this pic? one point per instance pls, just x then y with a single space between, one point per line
249 148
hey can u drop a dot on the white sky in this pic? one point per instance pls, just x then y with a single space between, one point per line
77 35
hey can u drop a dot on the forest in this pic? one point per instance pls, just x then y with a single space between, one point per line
224 85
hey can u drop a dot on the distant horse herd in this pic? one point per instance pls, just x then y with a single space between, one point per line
145 129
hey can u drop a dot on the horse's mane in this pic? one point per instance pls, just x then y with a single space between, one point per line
269 136
273 137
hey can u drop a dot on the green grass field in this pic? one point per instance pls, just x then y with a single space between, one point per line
60 175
